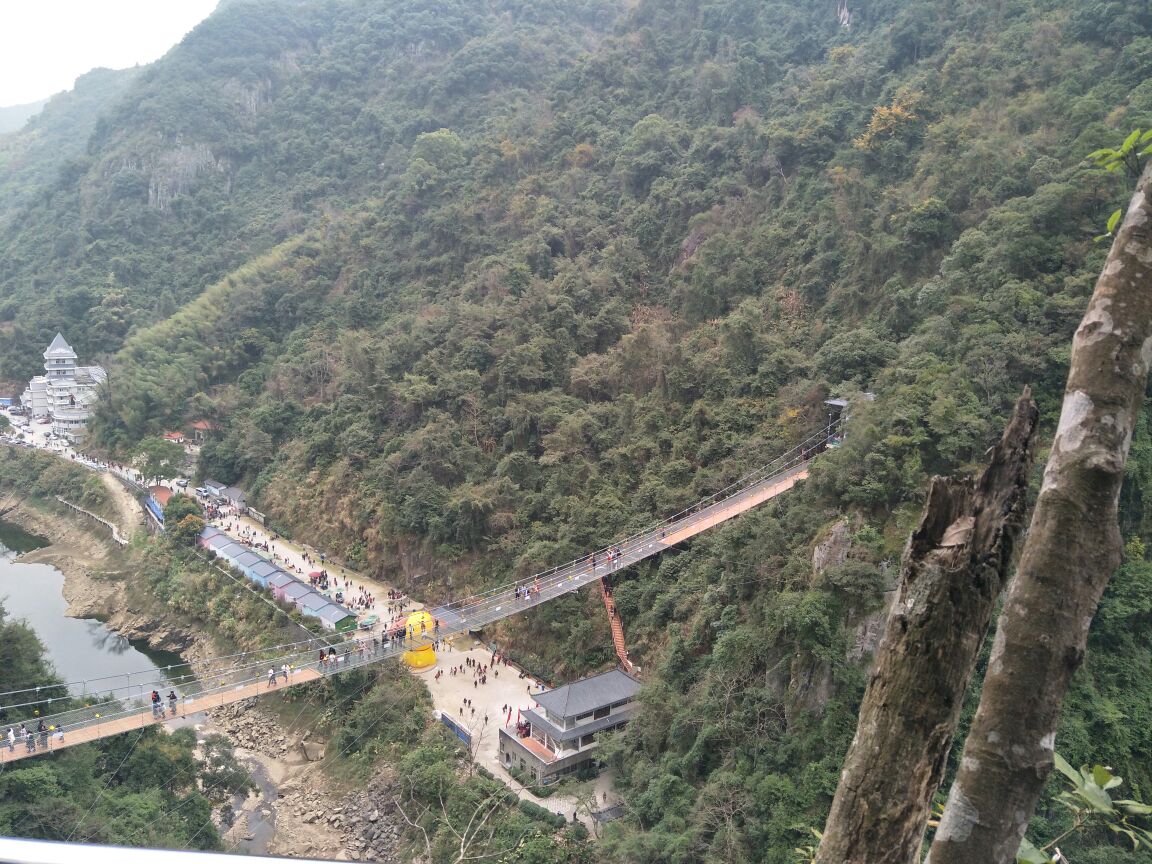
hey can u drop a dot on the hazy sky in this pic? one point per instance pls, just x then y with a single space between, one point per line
45 45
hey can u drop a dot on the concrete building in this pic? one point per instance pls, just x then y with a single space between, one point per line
65 393
559 737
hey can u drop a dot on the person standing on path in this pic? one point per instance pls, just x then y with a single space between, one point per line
284 671
11 740
271 677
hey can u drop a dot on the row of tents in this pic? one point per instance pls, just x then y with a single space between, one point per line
282 584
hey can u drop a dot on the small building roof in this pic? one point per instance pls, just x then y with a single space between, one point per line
313 601
203 425
280 579
333 613
59 349
588 694
232 550
211 531
248 559
161 494
218 542
233 494
214 484
293 591
266 569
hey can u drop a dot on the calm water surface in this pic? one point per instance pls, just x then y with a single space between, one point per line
85 653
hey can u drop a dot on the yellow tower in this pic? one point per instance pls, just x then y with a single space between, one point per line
418 628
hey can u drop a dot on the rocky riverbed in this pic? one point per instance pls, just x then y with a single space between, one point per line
308 820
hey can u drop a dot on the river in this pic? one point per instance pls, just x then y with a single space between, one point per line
86 654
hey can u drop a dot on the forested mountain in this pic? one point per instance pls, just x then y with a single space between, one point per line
12 117
472 288
57 135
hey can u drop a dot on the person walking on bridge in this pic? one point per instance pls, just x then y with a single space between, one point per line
272 677
11 740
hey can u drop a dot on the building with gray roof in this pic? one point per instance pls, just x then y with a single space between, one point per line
559 737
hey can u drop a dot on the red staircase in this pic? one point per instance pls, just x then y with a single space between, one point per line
614 623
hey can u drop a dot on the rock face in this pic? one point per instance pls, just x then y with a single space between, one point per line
373 827
833 550
251 729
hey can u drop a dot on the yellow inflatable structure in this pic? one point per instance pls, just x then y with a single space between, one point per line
420 626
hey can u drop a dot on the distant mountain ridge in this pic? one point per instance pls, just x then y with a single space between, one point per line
12 117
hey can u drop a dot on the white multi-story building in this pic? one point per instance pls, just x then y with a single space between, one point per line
66 393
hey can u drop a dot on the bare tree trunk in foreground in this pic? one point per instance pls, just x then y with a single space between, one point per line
1072 549
952 571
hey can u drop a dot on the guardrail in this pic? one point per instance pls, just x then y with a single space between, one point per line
116 535
472 613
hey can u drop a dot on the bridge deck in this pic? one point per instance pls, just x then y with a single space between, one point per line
84 725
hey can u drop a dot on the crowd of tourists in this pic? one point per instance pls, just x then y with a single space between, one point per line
23 734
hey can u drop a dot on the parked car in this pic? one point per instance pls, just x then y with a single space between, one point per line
182 482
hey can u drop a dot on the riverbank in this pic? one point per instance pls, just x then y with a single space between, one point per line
96 571
96 584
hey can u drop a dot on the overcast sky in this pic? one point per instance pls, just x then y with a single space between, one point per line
45 45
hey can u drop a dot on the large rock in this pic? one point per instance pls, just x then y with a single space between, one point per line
312 751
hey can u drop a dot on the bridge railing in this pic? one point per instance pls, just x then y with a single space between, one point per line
786 461
349 654
468 614
476 611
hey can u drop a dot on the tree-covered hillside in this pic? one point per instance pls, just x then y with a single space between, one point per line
472 289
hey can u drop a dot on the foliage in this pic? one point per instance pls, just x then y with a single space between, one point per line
471 289
187 530
44 475
158 458
179 506
1090 805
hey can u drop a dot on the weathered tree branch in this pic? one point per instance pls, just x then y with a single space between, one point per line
1072 549
952 572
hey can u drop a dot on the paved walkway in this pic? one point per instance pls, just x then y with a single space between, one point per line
488 714
290 556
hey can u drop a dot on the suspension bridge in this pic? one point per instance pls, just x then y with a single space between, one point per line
124 703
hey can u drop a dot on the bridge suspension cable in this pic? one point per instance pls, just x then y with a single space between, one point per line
473 613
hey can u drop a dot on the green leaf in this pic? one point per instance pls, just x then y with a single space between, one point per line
1096 798
1103 777
1114 220
1146 137
1104 153
1130 141
1120 829
1067 770
1029 854
1135 808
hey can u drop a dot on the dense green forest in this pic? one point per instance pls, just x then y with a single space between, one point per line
472 289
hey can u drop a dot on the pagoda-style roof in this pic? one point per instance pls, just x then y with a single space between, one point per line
60 349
